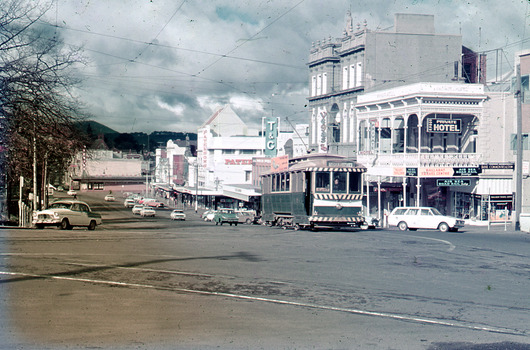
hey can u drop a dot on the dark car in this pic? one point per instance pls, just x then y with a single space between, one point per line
225 215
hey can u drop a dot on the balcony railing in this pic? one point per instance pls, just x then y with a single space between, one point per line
421 159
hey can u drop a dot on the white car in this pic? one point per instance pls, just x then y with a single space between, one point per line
137 208
110 198
413 218
147 211
66 214
71 192
128 203
177 214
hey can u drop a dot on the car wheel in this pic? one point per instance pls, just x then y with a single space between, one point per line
296 227
65 225
92 225
40 226
443 227
403 226
235 224
248 221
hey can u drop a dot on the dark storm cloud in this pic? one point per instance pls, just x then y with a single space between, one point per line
167 64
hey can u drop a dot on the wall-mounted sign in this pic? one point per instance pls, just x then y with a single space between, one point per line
497 166
238 161
435 172
271 136
453 182
466 171
411 172
323 126
453 126
280 163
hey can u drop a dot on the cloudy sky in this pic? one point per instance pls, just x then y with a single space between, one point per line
167 64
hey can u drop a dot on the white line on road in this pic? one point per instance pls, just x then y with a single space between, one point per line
281 302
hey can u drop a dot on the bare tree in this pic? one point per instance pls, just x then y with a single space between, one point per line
37 110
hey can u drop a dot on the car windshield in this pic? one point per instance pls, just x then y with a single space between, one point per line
435 211
60 206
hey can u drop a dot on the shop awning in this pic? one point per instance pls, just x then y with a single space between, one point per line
241 192
494 186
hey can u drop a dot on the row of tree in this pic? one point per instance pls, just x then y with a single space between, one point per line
37 109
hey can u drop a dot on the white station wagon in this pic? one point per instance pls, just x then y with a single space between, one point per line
413 218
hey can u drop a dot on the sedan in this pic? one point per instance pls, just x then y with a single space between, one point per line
177 214
71 193
110 198
225 215
147 211
66 214
137 209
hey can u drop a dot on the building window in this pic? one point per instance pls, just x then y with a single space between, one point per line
359 81
352 76
313 85
513 142
345 78
248 175
229 151
319 84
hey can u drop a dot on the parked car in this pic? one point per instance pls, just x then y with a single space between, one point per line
413 218
137 208
247 216
208 215
225 215
66 214
147 211
128 203
177 214
110 198
71 193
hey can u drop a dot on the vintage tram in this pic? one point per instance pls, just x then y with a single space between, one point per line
312 192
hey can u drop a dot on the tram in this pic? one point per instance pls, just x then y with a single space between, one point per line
314 191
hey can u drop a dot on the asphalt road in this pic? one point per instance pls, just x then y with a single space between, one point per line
151 283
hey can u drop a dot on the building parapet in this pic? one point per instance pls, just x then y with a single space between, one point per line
420 159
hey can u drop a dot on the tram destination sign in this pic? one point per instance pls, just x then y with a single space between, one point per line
452 182
453 126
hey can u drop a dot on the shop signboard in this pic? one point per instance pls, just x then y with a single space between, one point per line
466 171
452 182
271 136
452 126
412 172
498 166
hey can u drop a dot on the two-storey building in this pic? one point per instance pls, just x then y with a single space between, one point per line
364 61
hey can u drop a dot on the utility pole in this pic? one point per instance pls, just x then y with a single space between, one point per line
519 160
196 184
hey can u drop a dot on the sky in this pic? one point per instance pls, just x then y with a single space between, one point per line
166 65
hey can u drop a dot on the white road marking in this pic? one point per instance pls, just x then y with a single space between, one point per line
451 245
279 301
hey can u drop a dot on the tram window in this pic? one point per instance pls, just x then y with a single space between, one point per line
287 182
322 182
354 182
282 176
339 182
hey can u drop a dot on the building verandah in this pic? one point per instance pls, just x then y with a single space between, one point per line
412 137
